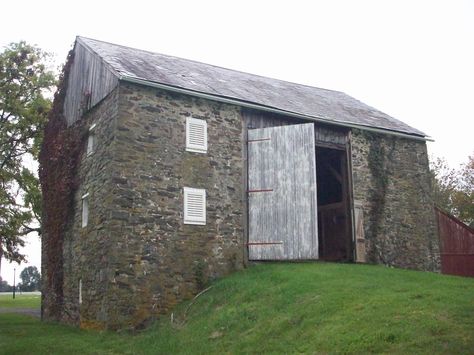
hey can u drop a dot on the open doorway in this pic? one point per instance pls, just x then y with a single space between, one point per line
334 223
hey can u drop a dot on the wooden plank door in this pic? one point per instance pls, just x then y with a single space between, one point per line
282 193
359 232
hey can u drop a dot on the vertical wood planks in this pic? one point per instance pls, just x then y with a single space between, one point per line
359 232
457 245
90 80
282 159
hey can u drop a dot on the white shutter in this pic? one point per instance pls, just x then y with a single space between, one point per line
194 206
196 135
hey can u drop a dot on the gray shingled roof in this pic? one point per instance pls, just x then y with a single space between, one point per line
329 105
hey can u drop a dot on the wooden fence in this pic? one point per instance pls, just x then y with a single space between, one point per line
456 244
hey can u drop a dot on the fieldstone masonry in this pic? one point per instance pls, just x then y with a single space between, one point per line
85 249
391 179
158 260
136 258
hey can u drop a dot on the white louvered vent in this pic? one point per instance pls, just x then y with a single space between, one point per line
194 206
196 135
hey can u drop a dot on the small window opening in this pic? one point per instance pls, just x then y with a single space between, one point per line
85 210
91 140
80 291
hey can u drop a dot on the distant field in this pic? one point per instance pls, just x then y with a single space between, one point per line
286 308
25 300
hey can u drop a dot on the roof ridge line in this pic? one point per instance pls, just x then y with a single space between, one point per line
212 65
128 62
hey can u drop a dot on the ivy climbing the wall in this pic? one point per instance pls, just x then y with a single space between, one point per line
59 159
379 161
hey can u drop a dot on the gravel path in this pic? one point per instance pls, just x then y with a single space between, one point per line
28 311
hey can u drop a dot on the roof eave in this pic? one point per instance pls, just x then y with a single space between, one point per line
233 101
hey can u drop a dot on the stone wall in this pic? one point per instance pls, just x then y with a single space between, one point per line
156 260
86 249
136 258
391 179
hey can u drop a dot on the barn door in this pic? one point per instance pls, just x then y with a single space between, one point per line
282 193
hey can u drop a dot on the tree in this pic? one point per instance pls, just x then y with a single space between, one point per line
24 80
5 287
30 279
454 189
463 198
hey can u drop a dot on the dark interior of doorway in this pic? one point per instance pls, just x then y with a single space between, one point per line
334 223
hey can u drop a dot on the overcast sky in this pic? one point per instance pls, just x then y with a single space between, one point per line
413 60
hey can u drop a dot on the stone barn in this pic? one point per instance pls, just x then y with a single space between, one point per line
186 171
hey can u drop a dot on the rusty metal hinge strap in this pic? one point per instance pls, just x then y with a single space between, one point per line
264 243
258 140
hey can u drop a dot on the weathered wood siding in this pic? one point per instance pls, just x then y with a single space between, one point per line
90 81
282 193
359 232
330 138
324 135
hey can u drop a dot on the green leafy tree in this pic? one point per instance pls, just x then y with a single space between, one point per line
24 82
463 198
30 279
4 286
454 189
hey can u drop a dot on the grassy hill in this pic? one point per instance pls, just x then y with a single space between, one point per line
288 308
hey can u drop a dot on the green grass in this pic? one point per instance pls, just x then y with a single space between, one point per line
20 301
287 308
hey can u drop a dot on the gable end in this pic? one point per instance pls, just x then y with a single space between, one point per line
90 80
